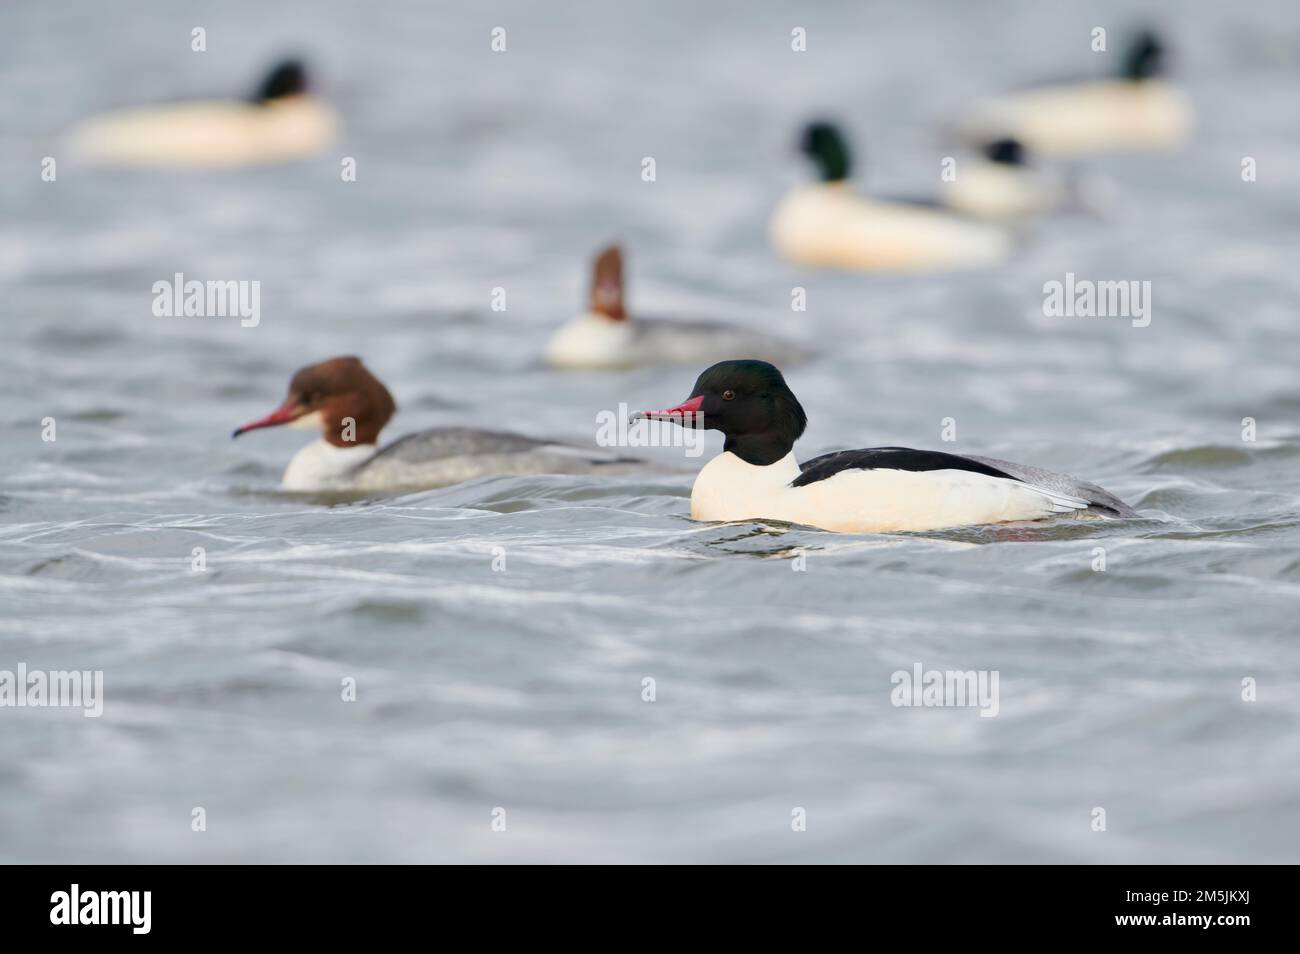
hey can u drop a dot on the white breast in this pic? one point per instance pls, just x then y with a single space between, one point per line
207 133
727 488
592 341
323 466
867 501
827 225
1090 117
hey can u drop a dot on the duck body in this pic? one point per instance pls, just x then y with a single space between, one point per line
207 133
594 341
1135 109
887 489
280 121
1001 192
441 457
1110 115
827 225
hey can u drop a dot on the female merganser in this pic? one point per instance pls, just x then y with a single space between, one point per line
605 336
350 406
1135 110
827 224
282 120
879 489
998 183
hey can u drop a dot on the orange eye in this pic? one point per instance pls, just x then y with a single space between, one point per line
728 395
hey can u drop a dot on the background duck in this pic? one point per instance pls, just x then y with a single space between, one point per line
1134 110
873 490
998 183
349 406
606 336
282 120
827 224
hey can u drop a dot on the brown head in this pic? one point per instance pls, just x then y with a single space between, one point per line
607 284
327 395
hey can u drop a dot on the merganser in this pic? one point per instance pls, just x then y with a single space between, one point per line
350 406
827 224
878 489
998 183
1135 110
605 336
282 120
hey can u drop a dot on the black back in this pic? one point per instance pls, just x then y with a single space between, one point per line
888 458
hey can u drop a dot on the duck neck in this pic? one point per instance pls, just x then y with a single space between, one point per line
321 464
761 450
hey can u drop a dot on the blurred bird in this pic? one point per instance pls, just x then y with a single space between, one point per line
828 224
1136 110
281 120
873 490
606 336
349 407
999 183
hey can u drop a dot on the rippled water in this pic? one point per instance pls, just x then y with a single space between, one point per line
521 687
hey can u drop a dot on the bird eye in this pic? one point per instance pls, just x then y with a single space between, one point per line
728 395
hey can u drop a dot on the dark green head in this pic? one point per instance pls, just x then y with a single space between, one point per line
1145 58
823 142
1006 152
287 78
749 401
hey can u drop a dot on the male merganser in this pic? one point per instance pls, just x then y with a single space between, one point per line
605 336
1133 111
282 120
350 406
998 183
827 224
878 489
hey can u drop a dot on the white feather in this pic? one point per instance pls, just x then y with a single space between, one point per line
1087 117
207 133
1001 192
592 341
323 466
868 501
828 225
